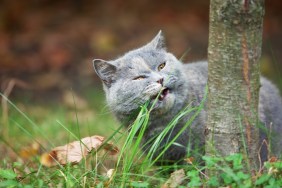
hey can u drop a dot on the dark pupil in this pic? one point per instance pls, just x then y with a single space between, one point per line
161 66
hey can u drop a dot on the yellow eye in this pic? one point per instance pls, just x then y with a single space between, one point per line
161 66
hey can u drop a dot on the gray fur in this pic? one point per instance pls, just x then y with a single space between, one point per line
134 78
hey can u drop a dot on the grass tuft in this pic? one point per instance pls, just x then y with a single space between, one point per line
132 168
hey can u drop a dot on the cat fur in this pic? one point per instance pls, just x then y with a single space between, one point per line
135 78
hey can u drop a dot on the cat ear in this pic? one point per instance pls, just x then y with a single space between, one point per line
157 42
105 71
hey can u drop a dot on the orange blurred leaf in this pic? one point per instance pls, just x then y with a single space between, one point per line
30 151
273 159
189 160
75 151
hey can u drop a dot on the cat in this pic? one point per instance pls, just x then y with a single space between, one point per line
151 73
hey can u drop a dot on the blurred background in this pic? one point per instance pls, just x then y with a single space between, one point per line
47 48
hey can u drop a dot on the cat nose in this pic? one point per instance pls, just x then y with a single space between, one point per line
160 81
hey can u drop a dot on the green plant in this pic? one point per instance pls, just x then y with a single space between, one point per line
134 168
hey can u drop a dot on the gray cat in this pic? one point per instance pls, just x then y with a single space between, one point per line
150 72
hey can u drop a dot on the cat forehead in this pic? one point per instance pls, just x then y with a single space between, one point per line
144 59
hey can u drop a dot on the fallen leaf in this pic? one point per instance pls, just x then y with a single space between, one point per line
30 151
75 151
273 159
273 169
189 160
113 150
110 173
175 180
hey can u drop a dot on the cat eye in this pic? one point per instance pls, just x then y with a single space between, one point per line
139 78
161 66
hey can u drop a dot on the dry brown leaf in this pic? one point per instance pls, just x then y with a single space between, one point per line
272 169
113 150
175 180
75 151
30 151
273 159
189 160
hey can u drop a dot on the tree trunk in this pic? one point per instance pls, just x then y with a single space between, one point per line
235 40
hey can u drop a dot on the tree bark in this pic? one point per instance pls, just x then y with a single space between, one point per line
235 40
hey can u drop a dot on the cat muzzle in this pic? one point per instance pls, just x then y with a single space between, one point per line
162 95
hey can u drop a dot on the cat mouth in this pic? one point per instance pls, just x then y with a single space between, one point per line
162 95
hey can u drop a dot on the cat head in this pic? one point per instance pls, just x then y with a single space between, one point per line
106 70
148 73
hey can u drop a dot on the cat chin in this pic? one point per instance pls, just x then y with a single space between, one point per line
163 106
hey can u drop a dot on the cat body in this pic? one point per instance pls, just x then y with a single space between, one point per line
152 74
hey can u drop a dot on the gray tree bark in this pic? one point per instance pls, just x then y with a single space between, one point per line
235 40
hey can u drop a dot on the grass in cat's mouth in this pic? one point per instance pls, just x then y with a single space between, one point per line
162 95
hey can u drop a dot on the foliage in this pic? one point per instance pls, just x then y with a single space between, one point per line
231 173
20 175
133 168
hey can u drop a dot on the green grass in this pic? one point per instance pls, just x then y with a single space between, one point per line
52 125
46 122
